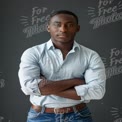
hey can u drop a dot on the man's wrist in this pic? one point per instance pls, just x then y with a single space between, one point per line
79 81
43 82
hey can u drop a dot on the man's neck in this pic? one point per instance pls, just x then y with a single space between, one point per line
64 47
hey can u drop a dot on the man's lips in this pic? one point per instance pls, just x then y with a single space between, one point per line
62 35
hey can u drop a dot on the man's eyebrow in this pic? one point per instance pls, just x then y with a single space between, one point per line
56 22
60 22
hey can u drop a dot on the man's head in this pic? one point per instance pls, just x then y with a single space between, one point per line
62 26
63 12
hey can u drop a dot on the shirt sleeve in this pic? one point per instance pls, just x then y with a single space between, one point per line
29 73
95 79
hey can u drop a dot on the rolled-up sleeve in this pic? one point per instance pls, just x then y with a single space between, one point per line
29 73
95 79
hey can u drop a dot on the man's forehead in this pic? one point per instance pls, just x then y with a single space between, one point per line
63 17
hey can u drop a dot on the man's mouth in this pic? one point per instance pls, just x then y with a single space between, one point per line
62 35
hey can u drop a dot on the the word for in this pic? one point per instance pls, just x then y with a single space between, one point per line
115 52
104 2
38 11
115 56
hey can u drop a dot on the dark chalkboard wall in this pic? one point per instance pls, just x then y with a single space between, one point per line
22 25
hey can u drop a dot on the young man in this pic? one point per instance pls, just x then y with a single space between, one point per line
61 76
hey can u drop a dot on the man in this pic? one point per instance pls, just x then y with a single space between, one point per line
61 76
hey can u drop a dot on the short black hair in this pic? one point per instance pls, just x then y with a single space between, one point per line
63 12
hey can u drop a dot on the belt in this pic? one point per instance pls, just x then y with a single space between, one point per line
60 110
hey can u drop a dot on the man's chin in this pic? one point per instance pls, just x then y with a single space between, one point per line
63 41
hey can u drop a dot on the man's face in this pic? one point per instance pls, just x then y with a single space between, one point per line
62 28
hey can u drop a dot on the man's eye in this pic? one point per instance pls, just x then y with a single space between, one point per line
57 24
70 25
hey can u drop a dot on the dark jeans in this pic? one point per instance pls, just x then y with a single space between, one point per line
77 116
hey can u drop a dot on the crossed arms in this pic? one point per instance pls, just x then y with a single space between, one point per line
92 88
62 88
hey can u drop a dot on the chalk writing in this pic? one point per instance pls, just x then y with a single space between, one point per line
115 56
105 13
117 114
118 120
2 119
112 71
114 63
37 22
35 29
2 81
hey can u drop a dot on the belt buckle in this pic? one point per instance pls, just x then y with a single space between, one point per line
61 110
57 111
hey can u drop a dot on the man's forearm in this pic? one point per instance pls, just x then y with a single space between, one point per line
69 93
54 87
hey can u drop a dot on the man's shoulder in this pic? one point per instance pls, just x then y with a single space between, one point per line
35 50
86 49
37 47
88 52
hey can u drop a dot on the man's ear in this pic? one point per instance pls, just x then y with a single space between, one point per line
48 28
78 28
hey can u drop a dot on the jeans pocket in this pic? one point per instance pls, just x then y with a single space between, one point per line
85 113
32 114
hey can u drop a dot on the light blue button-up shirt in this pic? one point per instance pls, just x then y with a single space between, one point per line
80 62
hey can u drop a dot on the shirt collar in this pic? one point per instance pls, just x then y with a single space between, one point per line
75 45
50 45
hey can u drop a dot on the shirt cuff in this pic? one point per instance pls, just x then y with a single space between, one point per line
32 88
81 91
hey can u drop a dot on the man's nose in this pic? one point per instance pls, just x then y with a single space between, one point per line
63 28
